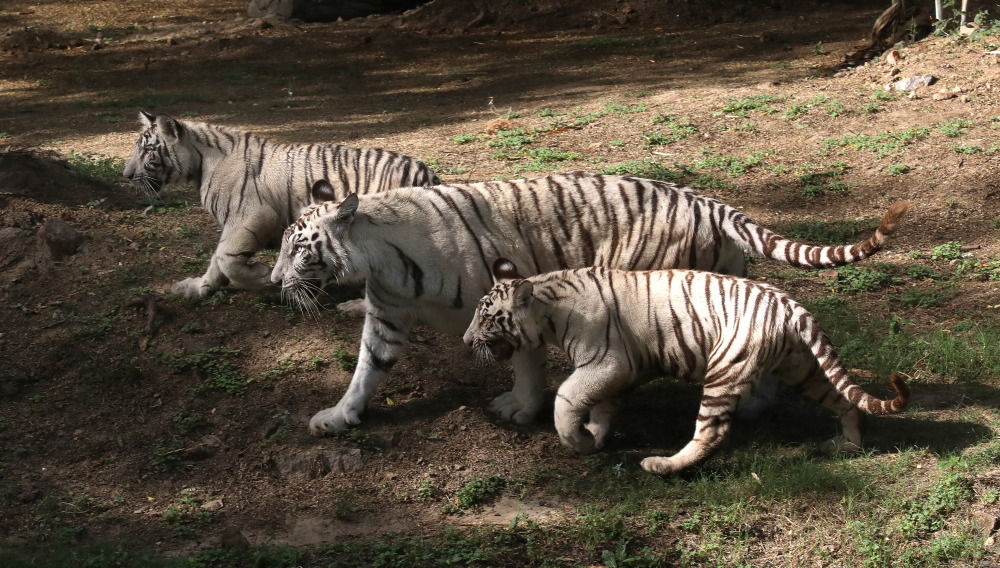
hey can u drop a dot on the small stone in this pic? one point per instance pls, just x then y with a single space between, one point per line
213 505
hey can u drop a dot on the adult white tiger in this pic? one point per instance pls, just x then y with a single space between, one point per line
621 329
426 255
254 187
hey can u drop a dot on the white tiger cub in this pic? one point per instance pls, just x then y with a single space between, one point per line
426 255
622 328
254 187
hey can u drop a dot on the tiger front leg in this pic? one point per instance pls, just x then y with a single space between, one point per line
383 341
522 403
573 408
232 263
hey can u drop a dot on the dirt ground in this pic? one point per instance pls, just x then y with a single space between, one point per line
98 393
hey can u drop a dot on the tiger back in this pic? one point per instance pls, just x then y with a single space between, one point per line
253 187
426 255
622 328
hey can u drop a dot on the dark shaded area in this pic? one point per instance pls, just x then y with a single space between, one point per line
326 10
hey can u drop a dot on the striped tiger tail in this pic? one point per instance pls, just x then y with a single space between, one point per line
822 348
772 245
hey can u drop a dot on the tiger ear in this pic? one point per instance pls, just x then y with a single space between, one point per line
345 212
522 293
168 128
504 269
321 192
146 119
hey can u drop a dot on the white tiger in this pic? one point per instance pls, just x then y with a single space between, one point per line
254 187
426 255
621 329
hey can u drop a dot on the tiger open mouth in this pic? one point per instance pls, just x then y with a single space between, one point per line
500 349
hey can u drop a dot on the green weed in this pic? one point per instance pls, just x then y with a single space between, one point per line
187 517
954 128
897 169
883 144
214 366
951 250
853 279
754 103
97 167
345 360
478 491
828 233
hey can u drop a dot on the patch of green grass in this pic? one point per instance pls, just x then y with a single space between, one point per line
746 106
514 139
822 232
187 517
647 168
897 169
827 178
214 366
345 360
980 270
478 491
97 167
883 95
466 138
732 165
854 279
966 149
954 128
951 250
870 108
677 128
883 144
928 515
927 297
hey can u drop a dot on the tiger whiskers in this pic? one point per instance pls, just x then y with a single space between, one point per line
484 355
304 293
145 188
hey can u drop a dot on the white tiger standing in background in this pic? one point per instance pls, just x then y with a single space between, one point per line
621 329
426 255
254 187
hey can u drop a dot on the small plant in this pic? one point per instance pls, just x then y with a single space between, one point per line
954 128
834 108
883 144
897 169
186 517
818 49
883 95
479 490
926 298
968 150
214 366
97 167
743 108
426 490
345 360
928 516
817 183
187 421
466 138
854 279
870 108
951 250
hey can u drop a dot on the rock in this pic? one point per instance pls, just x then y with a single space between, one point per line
7 233
213 505
913 83
943 96
62 239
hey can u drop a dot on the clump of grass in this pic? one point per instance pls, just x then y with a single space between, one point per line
951 250
854 279
734 166
97 167
648 169
678 128
897 169
345 360
954 128
883 144
478 491
817 183
744 107
827 233
214 366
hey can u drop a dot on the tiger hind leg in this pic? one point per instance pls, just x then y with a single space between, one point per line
805 375
723 390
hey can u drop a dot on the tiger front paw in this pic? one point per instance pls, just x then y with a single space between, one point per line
354 308
508 407
192 288
579 439
333 420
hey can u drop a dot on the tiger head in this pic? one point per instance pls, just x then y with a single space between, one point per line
315 249
503 322
158 158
